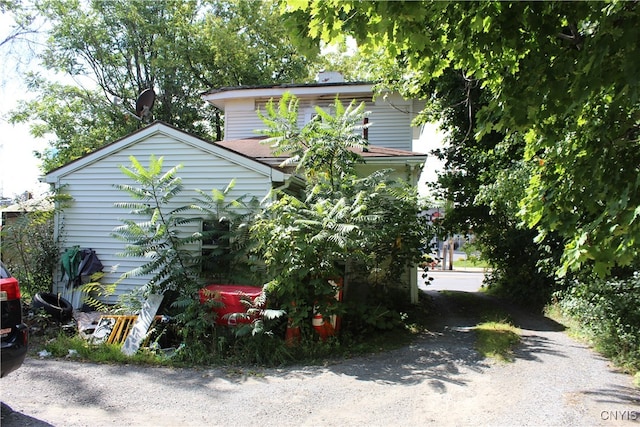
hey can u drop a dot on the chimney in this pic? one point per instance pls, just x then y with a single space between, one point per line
329 77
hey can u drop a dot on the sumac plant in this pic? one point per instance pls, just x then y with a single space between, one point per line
340 221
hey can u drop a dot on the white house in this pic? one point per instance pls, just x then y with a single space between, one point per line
390 117
90 218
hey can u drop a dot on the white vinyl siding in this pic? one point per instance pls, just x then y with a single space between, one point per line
91 217
390 128
241 124
390 119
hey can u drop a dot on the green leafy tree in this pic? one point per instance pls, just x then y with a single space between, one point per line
483 180
370 224
70 113
559 75
113 50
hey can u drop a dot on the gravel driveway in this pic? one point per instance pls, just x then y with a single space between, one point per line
438 380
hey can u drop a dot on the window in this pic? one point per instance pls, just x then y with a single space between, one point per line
216 249
309 117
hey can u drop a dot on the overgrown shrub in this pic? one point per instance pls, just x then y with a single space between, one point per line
30 251
303 243
342 224
523 272
609 312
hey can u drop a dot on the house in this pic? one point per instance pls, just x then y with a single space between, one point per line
390 118
90 218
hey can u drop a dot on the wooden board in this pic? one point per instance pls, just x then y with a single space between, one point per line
141 326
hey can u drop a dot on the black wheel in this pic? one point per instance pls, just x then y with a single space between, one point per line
58 307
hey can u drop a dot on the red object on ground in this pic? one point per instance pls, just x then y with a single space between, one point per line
231 297
324 329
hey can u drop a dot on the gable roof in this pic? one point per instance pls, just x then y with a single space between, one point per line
251 153
159 127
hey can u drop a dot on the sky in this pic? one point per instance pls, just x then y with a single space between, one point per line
19 169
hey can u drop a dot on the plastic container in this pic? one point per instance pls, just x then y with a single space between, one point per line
231 296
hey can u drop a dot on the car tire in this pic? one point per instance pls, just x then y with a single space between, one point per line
53 304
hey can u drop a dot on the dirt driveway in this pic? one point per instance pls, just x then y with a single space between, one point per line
438 380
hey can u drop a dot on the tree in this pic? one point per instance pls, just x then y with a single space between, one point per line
369 224
29 247
113 50
156 238
560 75
23 22
82 121
483 180
323 145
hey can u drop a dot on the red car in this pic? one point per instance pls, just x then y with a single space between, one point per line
14 335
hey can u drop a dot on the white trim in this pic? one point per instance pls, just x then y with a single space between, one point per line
396 160
219 99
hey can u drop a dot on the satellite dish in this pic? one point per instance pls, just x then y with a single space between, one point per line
144 103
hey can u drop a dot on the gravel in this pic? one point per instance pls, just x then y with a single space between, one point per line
439 379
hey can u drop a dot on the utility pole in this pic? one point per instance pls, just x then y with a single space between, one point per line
445 242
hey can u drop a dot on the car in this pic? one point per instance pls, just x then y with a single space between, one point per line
14 334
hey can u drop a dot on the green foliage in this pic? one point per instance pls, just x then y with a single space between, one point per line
229 259
257 319
521 271
72 114
369 224
157 238
483 179
200 338
609 313
261 350
557 76
321 148
118 48
94 293
29 248
75 347
496 340
300 254
307 242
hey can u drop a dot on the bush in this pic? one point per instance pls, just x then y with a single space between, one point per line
609 312
522 271
30 251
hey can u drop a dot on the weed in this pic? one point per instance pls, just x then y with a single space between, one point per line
607 314
496 340
495 335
